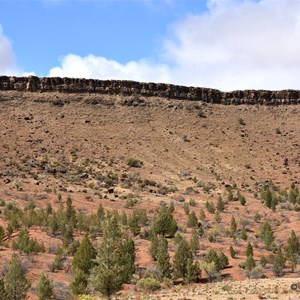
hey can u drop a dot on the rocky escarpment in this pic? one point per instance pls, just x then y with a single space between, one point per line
114 87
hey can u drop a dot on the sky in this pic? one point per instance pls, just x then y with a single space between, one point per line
223 44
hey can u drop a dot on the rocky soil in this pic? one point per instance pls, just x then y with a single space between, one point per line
60 143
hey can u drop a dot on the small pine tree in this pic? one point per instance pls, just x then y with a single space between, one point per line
218 217
210 207
186 208
192 220
220 204
164 223
244 235
194 242
202 215
70 213
79 283
44 289
250 263
127 259
266 233
293 250
153 250
15 283
267 197
223 260
163 259
212 256
133 223
233 226
242 200
84 256
200 230
249 250
257 217
230 195
232 252
181 257
191 272
171 208
279 263
114 260
100 212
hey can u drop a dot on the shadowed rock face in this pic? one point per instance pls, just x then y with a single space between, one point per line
115 87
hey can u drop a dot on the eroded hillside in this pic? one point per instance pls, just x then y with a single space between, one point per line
135 153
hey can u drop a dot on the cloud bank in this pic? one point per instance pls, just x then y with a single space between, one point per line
7 59
8 64
102 68
234 44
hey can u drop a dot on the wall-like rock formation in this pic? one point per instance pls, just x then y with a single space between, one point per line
73 85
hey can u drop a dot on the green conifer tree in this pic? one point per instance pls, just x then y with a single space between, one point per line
223 260
233 226
194 242
44 289
244 235
266 234
212 256
133 223
79 283
220 204
70 213
84 256
163 259
232 252
164 223
250 263
249 250
192 220
110 270
191 272
182 255
279 263
242 200
15 283
293 250
153 250
202 215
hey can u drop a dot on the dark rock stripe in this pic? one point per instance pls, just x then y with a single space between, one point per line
170 91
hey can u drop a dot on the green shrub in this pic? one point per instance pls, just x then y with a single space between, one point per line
148 284
26 244
135 163
192 202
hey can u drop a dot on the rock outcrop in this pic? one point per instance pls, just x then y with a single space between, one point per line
114 87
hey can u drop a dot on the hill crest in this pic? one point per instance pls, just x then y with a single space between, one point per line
169 91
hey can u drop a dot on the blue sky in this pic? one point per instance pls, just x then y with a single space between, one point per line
226 44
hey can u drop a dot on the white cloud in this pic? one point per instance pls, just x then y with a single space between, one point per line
99 67
7 59
238 44
235 44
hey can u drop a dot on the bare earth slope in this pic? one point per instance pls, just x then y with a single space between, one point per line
56 143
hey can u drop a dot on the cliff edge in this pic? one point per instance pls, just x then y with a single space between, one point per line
170 91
